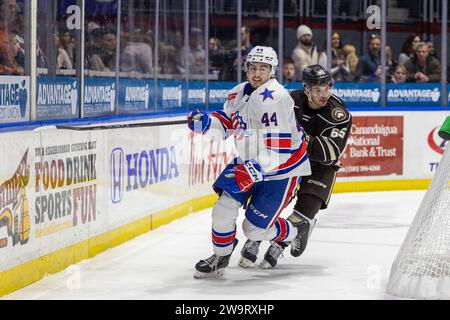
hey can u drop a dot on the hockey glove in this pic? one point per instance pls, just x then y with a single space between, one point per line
199 121
245 176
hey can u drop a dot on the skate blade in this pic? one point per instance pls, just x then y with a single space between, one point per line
211 275
245 263
265 265
296 253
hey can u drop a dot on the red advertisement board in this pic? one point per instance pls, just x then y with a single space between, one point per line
374 147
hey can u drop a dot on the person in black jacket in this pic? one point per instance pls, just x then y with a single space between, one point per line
326 123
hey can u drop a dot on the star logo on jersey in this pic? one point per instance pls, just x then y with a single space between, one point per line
267 94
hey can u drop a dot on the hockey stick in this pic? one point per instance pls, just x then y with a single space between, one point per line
124 125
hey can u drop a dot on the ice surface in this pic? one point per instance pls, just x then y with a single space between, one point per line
349 257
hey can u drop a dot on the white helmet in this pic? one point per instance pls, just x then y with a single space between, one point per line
264 55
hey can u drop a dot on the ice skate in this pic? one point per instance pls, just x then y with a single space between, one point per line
214 266
272 254
249 253
304 228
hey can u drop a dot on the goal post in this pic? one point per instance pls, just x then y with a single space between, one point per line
421 269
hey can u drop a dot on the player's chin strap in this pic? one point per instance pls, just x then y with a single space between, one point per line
308 93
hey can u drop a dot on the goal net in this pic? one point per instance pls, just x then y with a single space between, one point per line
421 269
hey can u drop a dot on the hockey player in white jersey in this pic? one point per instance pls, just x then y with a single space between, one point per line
259 114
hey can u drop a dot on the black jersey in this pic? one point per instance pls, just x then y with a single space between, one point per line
328 128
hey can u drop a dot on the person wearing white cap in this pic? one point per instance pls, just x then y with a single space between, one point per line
306 52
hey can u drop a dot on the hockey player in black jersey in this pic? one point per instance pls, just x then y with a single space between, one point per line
326 123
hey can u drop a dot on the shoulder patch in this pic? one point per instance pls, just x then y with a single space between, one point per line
338 114
232 96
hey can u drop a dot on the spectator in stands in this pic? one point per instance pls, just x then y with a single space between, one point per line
337 54
41 59
368 68
137 54
168 53
289 70
408 48
351 59
216 63
62 57
391 64
399 75
167 59
93 42
432 49
105 58
178 44
214 44
18 53
246 45
195 54
8 64
339 69
423 67
68 44
306 52
18 42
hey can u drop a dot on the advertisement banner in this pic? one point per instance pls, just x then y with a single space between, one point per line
413 94
366 94
99 96
50 196
197 94
57 98
14 99
358 94
374 147
436 146
14 206
16 215
147 169
136 96
426 147
159 167
218 93
290 86
171 94
65 199
60 187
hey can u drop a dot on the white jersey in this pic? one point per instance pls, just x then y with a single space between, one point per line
264 128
